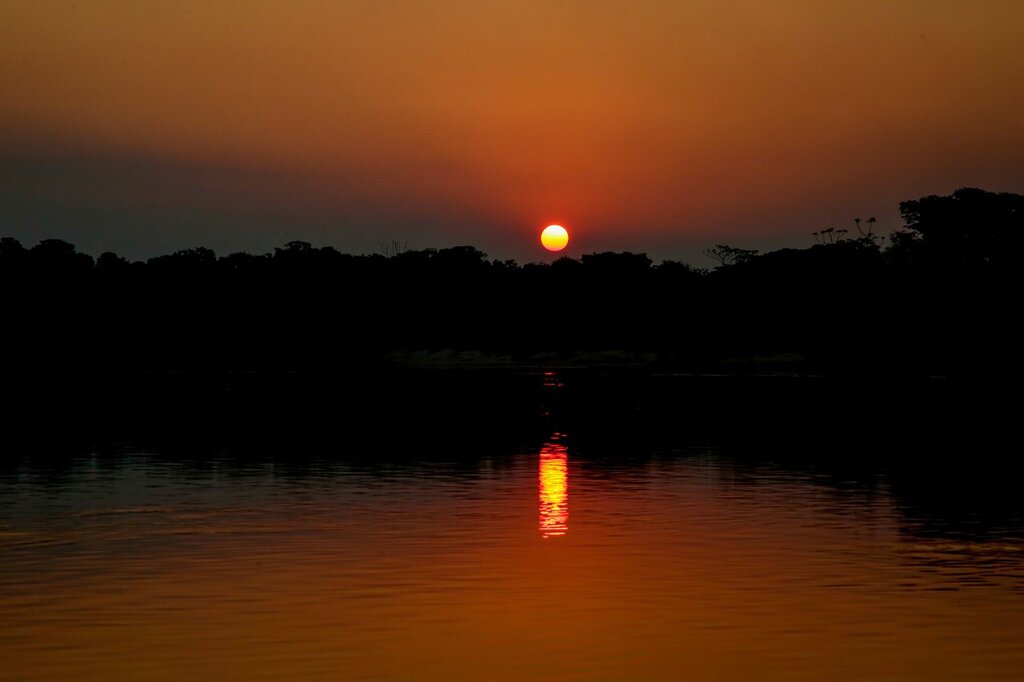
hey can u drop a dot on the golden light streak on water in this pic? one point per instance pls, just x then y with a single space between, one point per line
553 487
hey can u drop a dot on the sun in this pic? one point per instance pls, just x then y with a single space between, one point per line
554 238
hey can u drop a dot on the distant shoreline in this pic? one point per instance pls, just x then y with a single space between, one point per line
937 297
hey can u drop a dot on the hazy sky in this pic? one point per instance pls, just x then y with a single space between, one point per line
660 126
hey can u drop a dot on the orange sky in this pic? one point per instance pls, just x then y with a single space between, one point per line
662 126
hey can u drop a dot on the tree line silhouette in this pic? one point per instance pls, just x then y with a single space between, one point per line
936 296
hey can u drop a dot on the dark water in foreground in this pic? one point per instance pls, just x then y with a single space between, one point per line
546 560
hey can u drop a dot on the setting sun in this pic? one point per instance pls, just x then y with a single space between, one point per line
554 238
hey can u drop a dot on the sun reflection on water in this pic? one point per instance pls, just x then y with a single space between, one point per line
553 488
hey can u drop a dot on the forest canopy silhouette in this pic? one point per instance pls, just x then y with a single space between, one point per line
935 296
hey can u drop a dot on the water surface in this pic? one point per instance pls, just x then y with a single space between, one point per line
540 562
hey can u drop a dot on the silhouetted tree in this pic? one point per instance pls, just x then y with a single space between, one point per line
610 263
392 248
729 255
110 261
971 231
11 248
59 255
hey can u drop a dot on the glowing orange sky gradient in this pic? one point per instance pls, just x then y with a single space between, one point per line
660 126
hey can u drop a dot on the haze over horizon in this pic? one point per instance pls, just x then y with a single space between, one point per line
661 126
